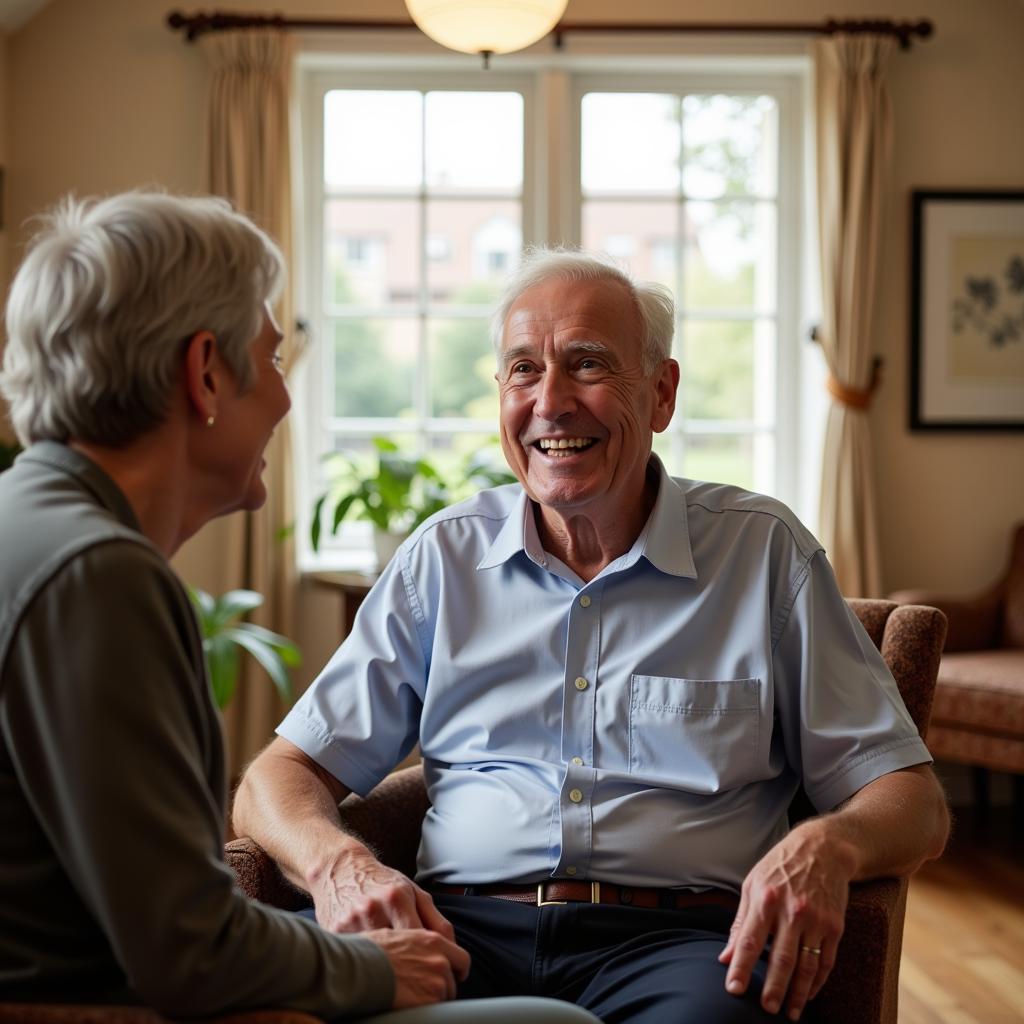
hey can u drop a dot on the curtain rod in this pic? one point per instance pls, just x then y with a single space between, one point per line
202 22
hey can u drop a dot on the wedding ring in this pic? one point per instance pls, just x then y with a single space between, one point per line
813 950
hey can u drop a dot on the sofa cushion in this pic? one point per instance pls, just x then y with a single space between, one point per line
983 690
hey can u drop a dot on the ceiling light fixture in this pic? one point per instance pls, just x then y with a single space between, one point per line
486 27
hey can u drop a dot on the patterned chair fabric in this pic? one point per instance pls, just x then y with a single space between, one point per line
978 718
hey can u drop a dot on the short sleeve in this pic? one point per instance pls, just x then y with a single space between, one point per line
843 720
361 715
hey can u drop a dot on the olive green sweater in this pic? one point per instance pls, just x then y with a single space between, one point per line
112 780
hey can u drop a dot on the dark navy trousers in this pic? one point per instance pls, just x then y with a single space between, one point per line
623 964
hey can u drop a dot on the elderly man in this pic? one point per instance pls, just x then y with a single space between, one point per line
618 679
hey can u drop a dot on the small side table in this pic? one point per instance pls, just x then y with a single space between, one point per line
353 586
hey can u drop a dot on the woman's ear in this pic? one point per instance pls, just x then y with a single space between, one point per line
204 375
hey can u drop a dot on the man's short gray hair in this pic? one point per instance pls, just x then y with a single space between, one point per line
108 295
654 303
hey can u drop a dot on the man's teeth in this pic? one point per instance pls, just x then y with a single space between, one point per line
561 447
564 442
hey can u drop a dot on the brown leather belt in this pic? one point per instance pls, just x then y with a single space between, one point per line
560 891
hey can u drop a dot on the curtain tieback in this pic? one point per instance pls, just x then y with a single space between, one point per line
856 398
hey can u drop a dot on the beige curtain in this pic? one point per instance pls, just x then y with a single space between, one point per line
853 141
248 162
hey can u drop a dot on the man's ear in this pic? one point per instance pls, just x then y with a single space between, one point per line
666 383
203 374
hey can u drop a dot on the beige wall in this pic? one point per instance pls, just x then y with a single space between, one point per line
101 97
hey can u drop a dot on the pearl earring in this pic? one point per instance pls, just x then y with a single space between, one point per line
209 421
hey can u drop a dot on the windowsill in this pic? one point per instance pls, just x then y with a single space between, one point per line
344 579
352 560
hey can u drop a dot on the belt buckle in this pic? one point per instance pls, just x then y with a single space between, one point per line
595 892
541 902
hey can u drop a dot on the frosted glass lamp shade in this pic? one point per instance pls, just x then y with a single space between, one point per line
486 26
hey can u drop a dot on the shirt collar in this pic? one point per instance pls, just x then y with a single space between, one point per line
518 534
664 540
666 537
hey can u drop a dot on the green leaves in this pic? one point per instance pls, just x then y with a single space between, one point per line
224 635
398 493
8 453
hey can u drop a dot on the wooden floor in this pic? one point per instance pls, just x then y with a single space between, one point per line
963 947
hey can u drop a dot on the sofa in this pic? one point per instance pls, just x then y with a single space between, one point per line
978 714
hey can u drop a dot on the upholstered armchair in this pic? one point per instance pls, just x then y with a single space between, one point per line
978 717
863 986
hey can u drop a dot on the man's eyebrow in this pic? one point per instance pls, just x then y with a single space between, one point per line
518 352
573 348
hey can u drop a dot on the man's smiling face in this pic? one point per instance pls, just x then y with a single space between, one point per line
577 411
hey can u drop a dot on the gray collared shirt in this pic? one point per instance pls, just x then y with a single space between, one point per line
649 727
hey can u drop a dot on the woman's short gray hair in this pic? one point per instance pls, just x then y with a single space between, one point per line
654 303
108 295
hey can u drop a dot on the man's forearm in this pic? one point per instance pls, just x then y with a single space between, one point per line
891 826
293 814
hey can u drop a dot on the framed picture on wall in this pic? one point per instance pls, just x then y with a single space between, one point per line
967 311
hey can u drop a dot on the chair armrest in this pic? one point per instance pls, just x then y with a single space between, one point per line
387 821
864 984
260 878
973 621
76 1013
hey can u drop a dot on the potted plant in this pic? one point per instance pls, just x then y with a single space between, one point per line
396 494
225 635
9 451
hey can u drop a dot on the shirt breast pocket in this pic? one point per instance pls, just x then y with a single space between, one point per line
699 734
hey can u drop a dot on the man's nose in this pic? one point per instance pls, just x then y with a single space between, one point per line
555 395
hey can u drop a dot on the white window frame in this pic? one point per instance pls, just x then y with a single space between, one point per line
552 87
786 90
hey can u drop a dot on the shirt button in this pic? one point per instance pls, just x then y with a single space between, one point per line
577 760
584 601
575 795
581 683
571 870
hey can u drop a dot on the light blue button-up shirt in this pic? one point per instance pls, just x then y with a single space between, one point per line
649 727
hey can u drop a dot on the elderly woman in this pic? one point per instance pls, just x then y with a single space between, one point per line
143 375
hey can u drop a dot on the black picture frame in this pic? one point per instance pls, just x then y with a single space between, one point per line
967 310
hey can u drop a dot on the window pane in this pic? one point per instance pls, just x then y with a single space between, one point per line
474 140
630 142
729 145
362 448
727 460
373 140
642 235
730 256
728 370
462 370
370 252
718 370
374 366
472 246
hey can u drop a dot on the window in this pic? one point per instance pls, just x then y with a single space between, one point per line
420 191
699 213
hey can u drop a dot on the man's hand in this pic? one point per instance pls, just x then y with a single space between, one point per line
796 894
426 965
359 893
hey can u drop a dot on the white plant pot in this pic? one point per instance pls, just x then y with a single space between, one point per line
385 545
